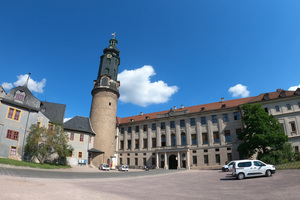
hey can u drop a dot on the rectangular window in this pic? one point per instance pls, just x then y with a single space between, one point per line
81 138
236 115
121 144
172 124
71 136
13 150
229 157
137 144
79 154
194 160
214 119
277 108
154 127
204 138
145 128
238 131
153 142
153 161
144 161
122 130
128 161
192 121
129 130
293 126
14 114
194 139
206 159
218 160
137 129
38 124
162 125
128 144
288 106
70 154
225 117
136 161
182 123
13 135
121 161
17 115
203 120
145 143
50 127
216 137
10 113
227 136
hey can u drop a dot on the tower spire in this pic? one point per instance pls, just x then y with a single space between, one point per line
26 83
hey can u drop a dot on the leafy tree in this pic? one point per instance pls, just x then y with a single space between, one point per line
43 144
262 132
287 154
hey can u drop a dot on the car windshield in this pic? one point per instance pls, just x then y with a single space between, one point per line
105 165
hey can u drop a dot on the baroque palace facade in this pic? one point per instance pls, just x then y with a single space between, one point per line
195 137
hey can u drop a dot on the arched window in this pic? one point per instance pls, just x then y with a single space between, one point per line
163 140
173 139
106 71
183 139
104 81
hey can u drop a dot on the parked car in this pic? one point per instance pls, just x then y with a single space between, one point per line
104 166
228 167
123 168
251 168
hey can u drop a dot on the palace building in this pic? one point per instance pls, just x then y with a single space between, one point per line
195 137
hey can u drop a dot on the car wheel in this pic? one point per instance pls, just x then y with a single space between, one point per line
227 170
241 176
268 173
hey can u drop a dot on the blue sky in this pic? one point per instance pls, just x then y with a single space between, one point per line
172 53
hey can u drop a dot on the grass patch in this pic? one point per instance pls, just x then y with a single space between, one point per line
289 165
8 161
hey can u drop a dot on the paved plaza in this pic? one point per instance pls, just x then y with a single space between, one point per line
86 183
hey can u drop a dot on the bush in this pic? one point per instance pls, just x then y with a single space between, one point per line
286 154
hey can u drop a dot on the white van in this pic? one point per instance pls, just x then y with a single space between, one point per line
251 168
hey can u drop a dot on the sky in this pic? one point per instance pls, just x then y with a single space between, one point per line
172 53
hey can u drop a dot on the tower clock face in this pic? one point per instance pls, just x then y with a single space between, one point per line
109 56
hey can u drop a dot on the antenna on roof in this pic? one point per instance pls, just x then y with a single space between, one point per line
26 83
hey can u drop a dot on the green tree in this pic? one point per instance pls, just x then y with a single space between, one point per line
51 143
262 132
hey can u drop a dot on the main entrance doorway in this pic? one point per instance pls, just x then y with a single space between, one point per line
172 162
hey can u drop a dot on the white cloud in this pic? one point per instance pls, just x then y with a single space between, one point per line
33 85
7 86
67 119
293 88
137 88
239 90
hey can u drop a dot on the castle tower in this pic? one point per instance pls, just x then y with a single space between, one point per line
104 103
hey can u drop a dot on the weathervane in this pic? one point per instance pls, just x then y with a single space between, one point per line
114 34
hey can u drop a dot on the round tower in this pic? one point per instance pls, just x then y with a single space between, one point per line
104 103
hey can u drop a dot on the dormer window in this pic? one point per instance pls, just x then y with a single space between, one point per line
132 120
203 108
20 95
266 96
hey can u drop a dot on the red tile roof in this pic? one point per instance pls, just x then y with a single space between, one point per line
210 106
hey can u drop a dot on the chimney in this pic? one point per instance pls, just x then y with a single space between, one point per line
222 99
141 113
175 107
182 106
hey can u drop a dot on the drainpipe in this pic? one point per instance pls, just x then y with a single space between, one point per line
25 135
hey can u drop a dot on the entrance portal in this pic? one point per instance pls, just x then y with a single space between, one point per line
172 162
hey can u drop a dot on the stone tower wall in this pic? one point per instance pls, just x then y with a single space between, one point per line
103 120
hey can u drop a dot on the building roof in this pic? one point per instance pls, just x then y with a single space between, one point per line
79 123
29 101
55 112
211 106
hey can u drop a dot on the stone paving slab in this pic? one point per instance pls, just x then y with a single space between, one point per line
181 184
